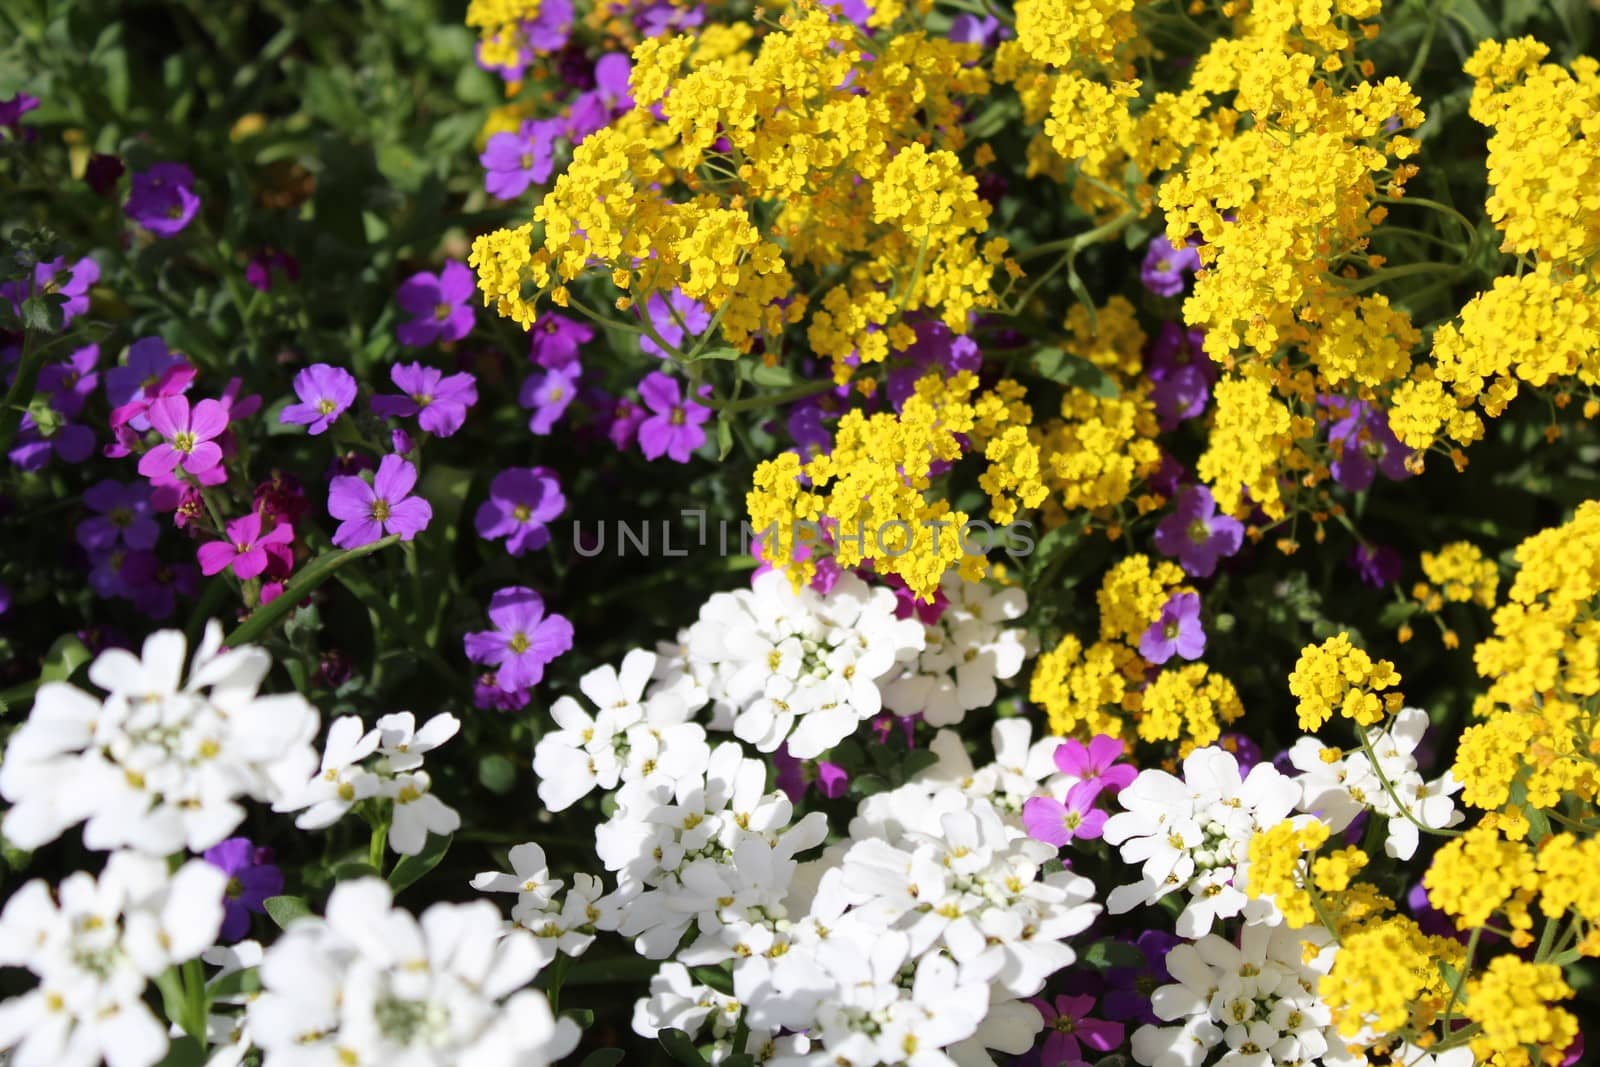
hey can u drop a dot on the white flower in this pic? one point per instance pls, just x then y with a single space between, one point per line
1194 834
159 764
964 653
94 952
403 745
371 985
679 1003
798 666
342 781
529 879
417 813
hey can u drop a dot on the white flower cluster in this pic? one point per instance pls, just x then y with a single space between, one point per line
1339 787
799 667
1255 1002
1193 834
94 945
963 653
159 764
345 779
565 925
372 985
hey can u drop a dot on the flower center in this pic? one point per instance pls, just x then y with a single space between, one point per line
380 510
1065 1024
183 441
326 406
556 394
522 513
519 642
422 400
1199 532
676 418
1170 630
235 889
120 517
442 312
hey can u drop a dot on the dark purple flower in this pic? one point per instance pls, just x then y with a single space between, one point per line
1055 823
251 880
524 640
244 548
512 161
805 428
554 340
595 109
258 272
1164 266
154 586
673 317
438 305
1196 534
1128 999
1095 764
982 30
522 500
13 108
150 371
1072 1030
384 507
102 173
626 418
162 199
188 436
674 427
439 401
936 346
35 445
1378 565
547 396
325 392
488 694
58 277
123 516
1363 445
1176 632
1246 751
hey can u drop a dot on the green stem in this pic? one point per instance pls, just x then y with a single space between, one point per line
197 1003
380 837
314 574
763 400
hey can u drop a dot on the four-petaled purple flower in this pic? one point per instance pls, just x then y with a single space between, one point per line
162 199
258 272
1072 1030
1095 763
438 305
149 363
188 436
1378 565
609 98
122 514
58 277
1196 534
547 396
1176 632
521 501
515 160
524 640
554 340
1128 999
674 425
252 878
244 548
673 318
1364 445
439 401
1164 266
1055 823
325 392
384 507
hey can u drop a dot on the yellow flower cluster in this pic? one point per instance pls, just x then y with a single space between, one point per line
1337 677
1105 688
1514 1003
1462 573
1278 870
1480 873
499 26
1386 977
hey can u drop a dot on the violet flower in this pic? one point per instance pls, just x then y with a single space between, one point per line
595 109
521 501
674 427
1128 999
488 694
1364 446
514 160
1377 565
1165 267
154 586
1074 1034
673 317
1196 534
384 507
162 199
12 109
258 272
325 393
547 395
244 548
188 436
439 401
151 370
524 640
56 276
122 516
252 878
1056 823
554 340
438 305
1176 632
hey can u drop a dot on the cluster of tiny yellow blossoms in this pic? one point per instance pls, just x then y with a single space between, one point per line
1278 869
1386 977
1336 677
871 492
1462 574
1513 1002
1481 873
499 26
1106 688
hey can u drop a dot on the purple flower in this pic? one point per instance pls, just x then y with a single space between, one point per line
1378 565
1072 1030
1049 820
149 362
804 423
673 317
521 501
123 516
13 108
188 436
1095 763
524 640
55 276
251 880
554 340
973 29
325 393
515 160
488 695
1246 751
609 98
34 445
384 507
102 173
673 428
258 272
548 32
1196 534
154 586
936 346
244 548
1364 445
1177 631
162 199
439 401
438 305
661 17
1128 998
1164 266
547 396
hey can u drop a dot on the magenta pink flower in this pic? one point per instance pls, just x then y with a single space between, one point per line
1095 763
1071 1030
245 547
188 436
1049 820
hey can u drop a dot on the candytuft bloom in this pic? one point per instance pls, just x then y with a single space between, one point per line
439 305
384 507
325 392
162 199
524 640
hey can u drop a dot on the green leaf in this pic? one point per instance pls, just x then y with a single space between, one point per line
724 436
184 1052
410 868
1075 372
679 1046
717 353
353 869
603 1057
771 377
311 575
584 1017
65 656
497 773
236 984
285 910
